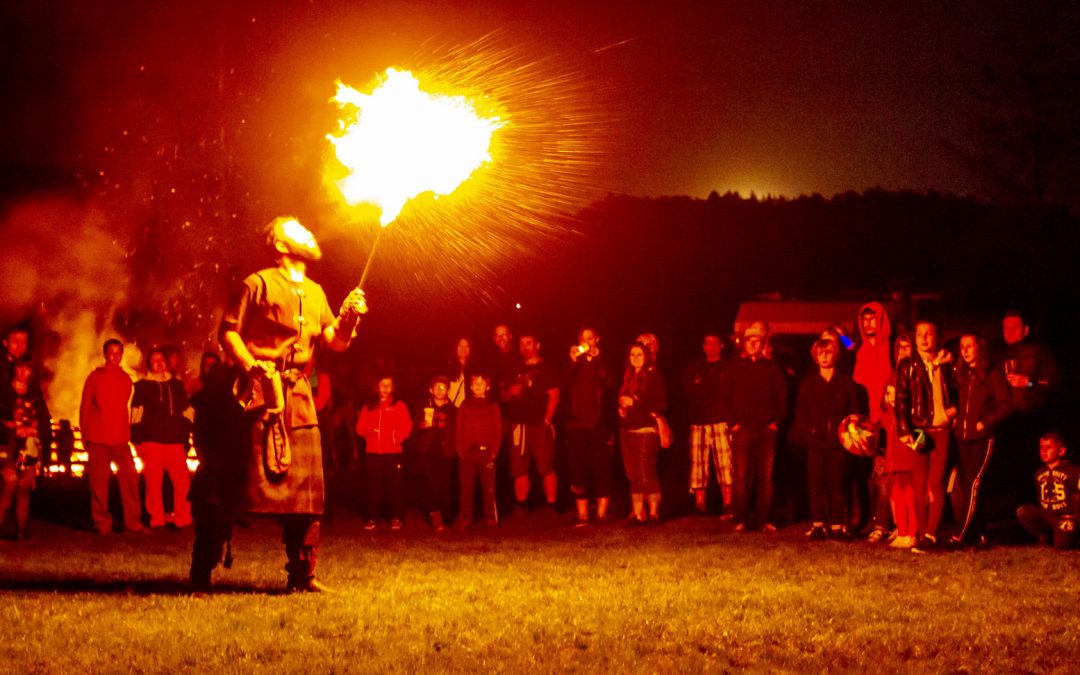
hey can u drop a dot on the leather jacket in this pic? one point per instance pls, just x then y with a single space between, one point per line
915 396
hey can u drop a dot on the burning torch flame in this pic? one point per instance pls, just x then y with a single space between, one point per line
403 142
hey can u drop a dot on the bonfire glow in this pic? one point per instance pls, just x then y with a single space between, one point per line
399 142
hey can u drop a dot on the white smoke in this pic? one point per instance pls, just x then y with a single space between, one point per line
65 265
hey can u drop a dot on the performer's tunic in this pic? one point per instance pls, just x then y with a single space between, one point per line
280 320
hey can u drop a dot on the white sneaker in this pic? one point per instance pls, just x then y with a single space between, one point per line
902 542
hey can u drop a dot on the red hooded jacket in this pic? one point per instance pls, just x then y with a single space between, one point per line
873 363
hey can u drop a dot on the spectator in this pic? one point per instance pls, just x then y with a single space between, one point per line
106 433
983 401
16 343
642 398
531 398
873 364
1032 375
924 404
1054 520
461 366
478 434
710 441
899 465
160 432
873 368
384 425
506 362
825 399
757 395
588 435
25 438
435 422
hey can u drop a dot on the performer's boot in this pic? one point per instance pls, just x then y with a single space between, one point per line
301 548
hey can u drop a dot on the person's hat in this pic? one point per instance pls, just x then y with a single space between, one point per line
756 329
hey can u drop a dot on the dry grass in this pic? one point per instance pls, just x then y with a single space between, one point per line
687 596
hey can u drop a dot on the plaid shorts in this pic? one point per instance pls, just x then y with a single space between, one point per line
706 440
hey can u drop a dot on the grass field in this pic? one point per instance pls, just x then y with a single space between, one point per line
686 596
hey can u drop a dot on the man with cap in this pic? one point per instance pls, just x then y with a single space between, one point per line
757 405
270 330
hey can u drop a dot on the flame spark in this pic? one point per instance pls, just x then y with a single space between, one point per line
402 142
545 164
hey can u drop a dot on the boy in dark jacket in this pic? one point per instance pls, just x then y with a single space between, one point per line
825 399
1058 484
435 449
477 438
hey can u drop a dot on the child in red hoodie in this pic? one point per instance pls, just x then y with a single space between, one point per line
384 425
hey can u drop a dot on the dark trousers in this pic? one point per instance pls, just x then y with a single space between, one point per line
589 451
972 462
1047 526
640 451
469 469
213 529
435 476
879 495
858 472
753 454
825 481
383 482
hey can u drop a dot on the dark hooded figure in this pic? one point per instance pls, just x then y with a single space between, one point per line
270 330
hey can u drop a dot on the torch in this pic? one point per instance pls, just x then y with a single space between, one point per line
399 142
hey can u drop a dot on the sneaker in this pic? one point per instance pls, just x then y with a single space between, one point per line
491 523
838 533
877 535
817 533
740 527
634 521
395 524
768 528
725 517
437 523
581 521
308 586
369 525
902 542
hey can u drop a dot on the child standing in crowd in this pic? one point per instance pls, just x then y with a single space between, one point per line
478 434
1055 518
825 399
384 424
435 449
899 464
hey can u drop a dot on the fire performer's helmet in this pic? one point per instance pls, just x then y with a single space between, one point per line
289 237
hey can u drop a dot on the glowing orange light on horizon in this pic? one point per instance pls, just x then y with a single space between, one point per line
402 142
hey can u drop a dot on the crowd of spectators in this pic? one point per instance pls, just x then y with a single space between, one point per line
907 444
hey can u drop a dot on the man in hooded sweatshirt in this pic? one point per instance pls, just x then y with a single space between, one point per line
873 368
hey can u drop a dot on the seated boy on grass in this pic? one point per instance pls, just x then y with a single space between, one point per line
1054 520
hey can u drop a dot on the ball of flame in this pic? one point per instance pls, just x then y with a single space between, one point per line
403 142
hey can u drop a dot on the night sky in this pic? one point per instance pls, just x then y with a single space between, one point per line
166 133
779 98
